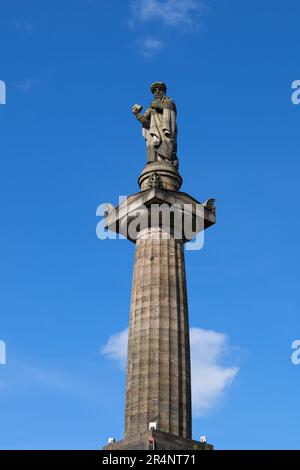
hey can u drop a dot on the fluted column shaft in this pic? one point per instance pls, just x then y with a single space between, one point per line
158 387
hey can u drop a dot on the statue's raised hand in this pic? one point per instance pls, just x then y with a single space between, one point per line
136 108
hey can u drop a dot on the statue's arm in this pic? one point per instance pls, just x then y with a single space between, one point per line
143 118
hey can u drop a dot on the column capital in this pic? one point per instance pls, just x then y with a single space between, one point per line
142 210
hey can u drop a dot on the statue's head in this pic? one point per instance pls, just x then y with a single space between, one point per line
158 89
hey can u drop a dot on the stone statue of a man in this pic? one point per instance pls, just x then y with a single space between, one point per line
159 126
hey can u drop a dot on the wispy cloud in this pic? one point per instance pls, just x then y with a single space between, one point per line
149 46
116 347
31 375
210 377
26 85
173 15
62 380
23 25
183 13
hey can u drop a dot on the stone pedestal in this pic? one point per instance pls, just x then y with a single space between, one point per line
156 440
160 174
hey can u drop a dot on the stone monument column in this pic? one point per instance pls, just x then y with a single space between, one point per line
159 220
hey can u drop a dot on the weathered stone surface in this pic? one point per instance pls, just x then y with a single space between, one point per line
158 364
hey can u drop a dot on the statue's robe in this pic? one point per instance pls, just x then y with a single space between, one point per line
160 131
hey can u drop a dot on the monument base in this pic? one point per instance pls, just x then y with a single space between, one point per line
157 440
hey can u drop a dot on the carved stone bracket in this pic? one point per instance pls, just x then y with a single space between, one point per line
210 205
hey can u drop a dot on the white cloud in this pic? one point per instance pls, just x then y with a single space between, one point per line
116 347
149 46
2 352
169 12
210 377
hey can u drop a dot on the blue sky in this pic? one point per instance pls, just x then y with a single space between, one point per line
69 142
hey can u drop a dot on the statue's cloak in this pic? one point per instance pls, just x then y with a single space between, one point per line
162 131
